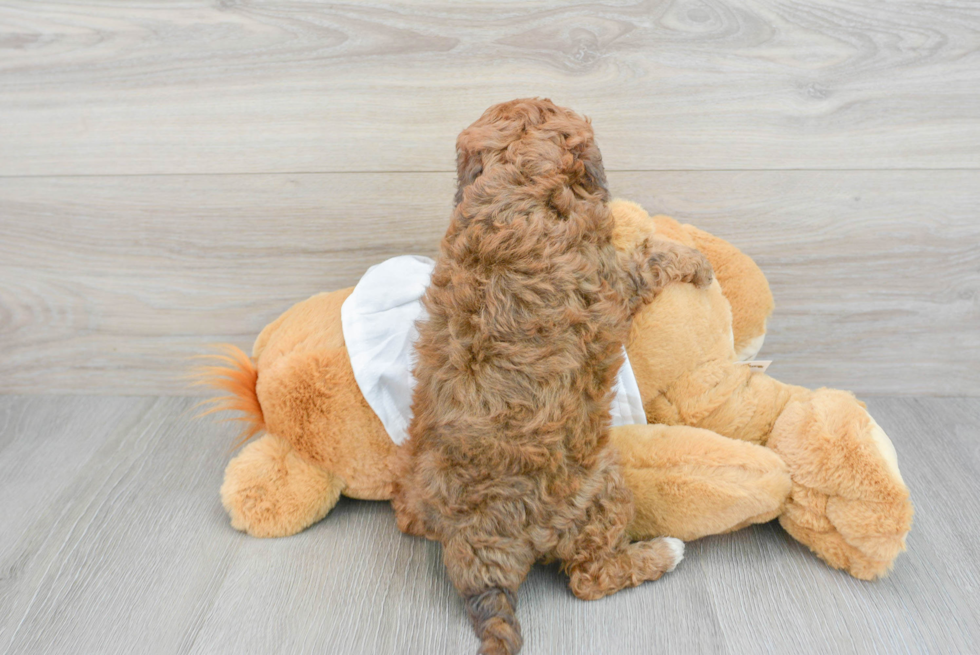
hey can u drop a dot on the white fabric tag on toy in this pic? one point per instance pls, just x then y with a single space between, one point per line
758 365
378 320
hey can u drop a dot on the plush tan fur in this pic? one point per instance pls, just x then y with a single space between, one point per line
688 482
305 398
745 286
529 305
271 491
846 500
848 504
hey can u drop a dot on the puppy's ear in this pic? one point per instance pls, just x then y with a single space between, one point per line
469 166
595 172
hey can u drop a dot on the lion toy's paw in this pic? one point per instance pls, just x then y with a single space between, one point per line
848 504
269 491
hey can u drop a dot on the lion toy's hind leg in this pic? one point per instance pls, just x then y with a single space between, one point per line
270 491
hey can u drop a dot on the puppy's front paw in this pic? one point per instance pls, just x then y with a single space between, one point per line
701 271
694 267
673 262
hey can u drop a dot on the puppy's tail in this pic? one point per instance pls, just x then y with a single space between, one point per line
233 372
492 614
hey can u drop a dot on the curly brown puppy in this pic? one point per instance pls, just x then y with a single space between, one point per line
528 309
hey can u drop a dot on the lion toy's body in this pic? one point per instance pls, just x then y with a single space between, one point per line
724 445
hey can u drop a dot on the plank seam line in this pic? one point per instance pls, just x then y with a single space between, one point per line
447 171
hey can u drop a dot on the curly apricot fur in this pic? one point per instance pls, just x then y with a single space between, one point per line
529 305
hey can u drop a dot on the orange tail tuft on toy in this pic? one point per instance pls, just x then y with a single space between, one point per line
234 373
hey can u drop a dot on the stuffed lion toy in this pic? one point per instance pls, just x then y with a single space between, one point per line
709 444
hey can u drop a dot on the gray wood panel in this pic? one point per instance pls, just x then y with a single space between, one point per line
108 285
286 86
129 550
43 443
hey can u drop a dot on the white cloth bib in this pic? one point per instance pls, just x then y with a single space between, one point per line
378 320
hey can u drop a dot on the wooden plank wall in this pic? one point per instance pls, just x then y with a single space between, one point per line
177 173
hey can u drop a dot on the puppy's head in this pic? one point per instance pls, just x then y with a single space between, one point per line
535 139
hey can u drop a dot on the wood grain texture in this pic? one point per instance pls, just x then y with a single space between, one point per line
108 285
127 550
110 564
43 443
291 85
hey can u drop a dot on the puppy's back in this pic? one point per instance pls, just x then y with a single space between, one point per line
524 331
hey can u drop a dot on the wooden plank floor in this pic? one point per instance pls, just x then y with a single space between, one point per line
112 540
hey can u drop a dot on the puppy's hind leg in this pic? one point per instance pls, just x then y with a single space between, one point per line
600 560
487 570
625 565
